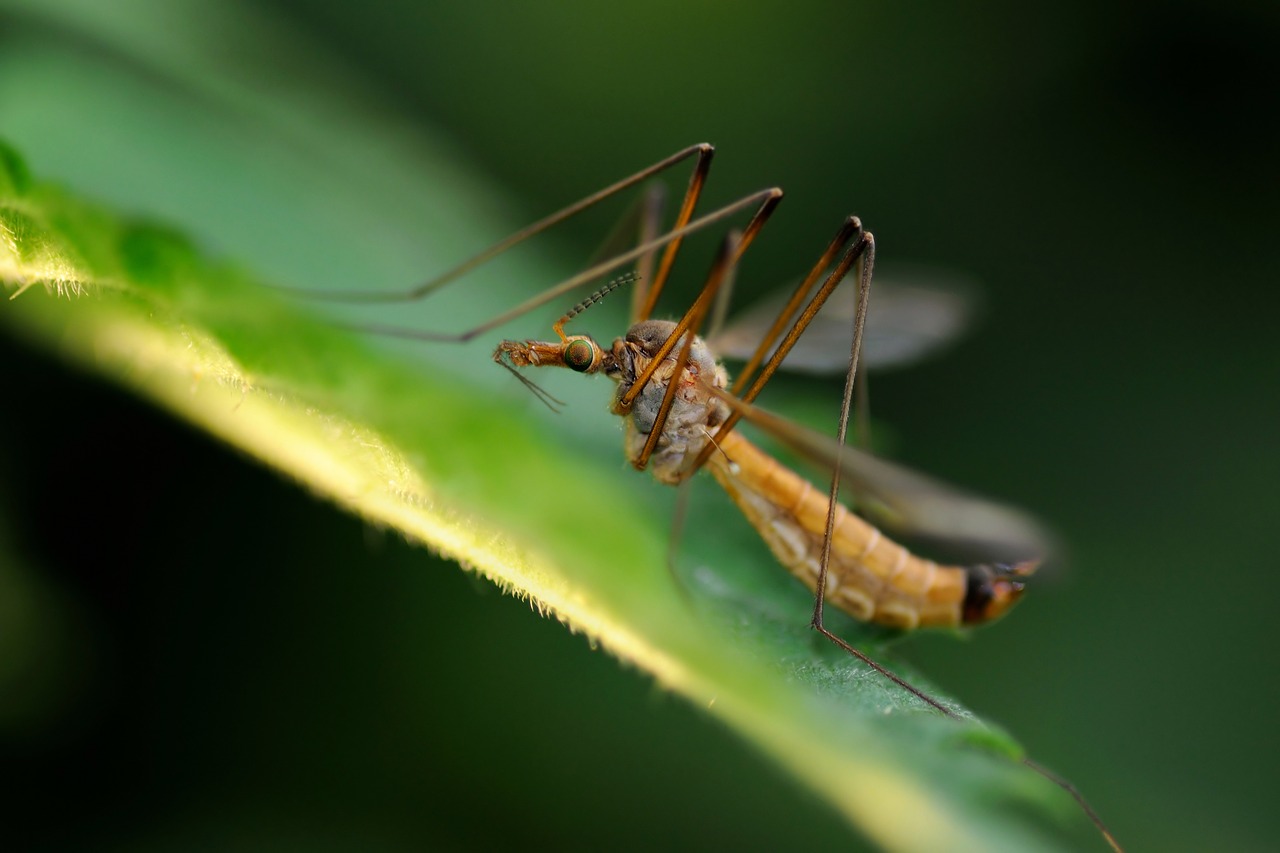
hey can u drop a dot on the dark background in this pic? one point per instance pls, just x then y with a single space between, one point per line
1109 176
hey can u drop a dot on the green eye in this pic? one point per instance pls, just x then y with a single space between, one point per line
579 355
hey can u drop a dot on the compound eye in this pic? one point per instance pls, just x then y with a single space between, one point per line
579 355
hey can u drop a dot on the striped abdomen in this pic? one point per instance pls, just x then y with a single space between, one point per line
870 576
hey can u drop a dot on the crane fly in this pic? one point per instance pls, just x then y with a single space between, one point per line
681 414
680 417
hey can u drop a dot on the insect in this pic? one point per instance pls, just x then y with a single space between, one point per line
681 415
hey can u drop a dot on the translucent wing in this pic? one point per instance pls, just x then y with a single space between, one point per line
907 503
911 315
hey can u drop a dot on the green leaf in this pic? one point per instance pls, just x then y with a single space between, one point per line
435 442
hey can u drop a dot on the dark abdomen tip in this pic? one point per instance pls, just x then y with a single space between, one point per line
992 588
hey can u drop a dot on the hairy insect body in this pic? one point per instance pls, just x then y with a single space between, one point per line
870 576
695 413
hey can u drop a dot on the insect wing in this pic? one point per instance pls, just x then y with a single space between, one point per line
908 503
911 317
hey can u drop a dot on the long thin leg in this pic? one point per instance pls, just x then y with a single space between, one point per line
696 182
639 224
824 561
720 310
866 263
764 200
703 151
677 533
769 200
650 227
1079 798
862 411
691 323
863 254
851 230
863 246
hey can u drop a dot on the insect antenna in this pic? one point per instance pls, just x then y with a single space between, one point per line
599 295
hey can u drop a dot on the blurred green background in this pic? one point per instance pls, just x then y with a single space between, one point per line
288 677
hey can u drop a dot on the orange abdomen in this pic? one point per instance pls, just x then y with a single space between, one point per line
870 576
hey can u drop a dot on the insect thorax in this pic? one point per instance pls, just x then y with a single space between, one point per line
695 412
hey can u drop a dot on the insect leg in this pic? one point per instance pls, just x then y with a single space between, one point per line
677 533
866 263
764 201
645 220
863 253
1080 801
862 411
650 225
642 225
654 288
703 151
851 230
720 308
639 224
768 202
688 327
